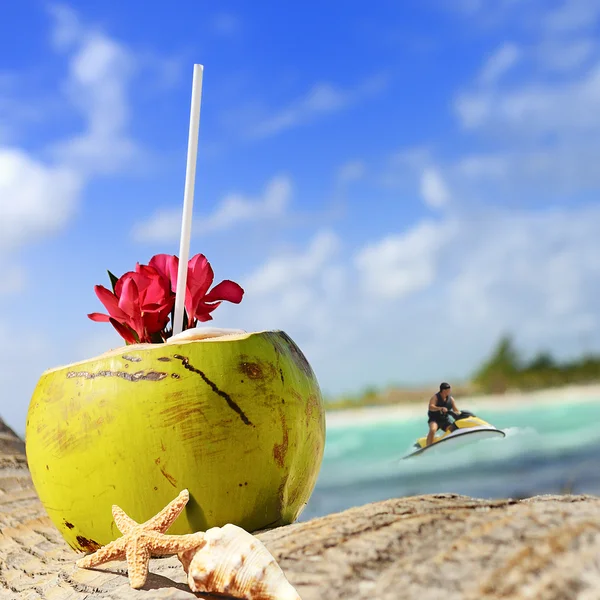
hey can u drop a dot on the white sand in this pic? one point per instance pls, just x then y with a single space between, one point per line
509 401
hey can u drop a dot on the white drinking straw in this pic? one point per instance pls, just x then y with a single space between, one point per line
188 200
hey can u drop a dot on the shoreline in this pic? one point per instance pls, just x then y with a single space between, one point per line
549 396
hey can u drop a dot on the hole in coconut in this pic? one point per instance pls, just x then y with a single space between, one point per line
207 334
203 333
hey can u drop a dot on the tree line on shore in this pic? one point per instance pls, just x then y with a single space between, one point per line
504 370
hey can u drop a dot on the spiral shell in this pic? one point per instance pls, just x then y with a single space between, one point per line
232 561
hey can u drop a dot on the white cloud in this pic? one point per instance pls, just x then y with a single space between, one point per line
557 36
499 63
402 264
473 109
234 209
536 108
39 197
67 28
482 166
283 272
489 13
430 302
351 171
565 55
300 291
526 175
163 226
40 194
99 74
544 126
559 39
433 188
402 167
572 15
534 273
323 98
35 199
528 271
563 17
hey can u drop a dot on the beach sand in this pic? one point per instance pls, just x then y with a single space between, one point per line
509 401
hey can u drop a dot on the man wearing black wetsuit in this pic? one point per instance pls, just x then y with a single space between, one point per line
439 405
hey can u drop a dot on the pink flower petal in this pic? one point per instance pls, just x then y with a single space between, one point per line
124 331
99 317
204 317
199 277
155 322
129 298
167 266
226 290
110 301
152 286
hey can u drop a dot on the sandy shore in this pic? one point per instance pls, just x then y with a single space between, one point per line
509 401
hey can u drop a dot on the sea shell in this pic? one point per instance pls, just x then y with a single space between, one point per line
232 561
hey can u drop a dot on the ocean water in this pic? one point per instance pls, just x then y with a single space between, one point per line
549 448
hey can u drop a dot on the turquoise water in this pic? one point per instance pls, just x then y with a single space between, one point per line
548 448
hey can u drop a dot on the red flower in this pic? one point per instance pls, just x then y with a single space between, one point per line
199 303
140 305
142 300
167 266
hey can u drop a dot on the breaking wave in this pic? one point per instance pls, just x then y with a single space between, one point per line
547 449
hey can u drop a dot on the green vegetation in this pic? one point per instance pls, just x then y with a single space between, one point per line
504 370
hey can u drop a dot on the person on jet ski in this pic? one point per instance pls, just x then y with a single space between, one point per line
439 405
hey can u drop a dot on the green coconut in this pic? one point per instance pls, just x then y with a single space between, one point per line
237 419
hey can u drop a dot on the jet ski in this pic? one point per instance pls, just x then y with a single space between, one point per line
464 428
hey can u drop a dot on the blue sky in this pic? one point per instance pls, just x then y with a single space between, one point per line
393 184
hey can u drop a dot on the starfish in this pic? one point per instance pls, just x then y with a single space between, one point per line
141 541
